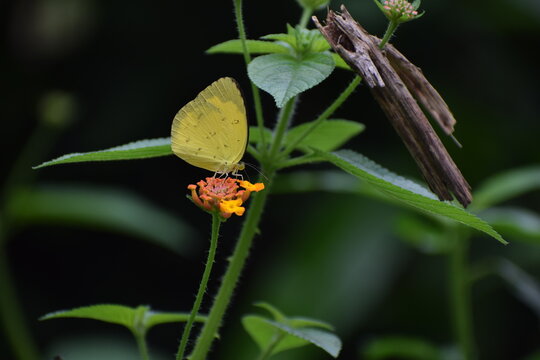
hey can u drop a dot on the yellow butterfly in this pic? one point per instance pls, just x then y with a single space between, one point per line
211 131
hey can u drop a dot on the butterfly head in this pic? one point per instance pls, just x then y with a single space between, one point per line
233 169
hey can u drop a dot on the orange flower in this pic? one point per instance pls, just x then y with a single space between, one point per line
223 195
232 206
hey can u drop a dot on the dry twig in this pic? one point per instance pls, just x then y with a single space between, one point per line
391 80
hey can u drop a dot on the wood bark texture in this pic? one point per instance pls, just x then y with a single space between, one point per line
391 79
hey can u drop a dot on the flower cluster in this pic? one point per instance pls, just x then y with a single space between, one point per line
223 195
399 10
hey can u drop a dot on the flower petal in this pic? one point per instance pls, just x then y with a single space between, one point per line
232 206
251 187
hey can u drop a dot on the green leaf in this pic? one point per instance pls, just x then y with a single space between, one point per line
320 338
340 63
284 76
253 46
255 134
320 44
111 313
103 208
302 322
138 320
287 38
160 317
296 322
424 236
520 224
264 332
506 186
288 333
269 47
401 347
404 190
278 315
327 136
141 149
301 40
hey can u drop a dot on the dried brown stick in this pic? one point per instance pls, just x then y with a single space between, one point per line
421 88
360 50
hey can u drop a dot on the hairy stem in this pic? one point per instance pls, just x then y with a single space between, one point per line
230 279
390 30
282 125
216 221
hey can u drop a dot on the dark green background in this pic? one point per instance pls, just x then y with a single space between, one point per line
130 65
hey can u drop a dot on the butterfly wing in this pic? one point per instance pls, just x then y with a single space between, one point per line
211 131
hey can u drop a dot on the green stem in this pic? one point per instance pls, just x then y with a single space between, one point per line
237 261
11 314
139 331
296 161
461 296
39 143
266 353
247 58
141 344
281 127
326 114
390 30
304 19
12 319
216 222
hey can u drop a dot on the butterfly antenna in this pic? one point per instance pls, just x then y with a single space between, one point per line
257 170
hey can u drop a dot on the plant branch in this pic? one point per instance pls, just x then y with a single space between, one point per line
216 221
141 344
326 114
460 294
281 127
390 30
247 58
306 14
230 279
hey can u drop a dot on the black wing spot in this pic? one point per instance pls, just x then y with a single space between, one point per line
188 140
199 149
225 145
223 119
